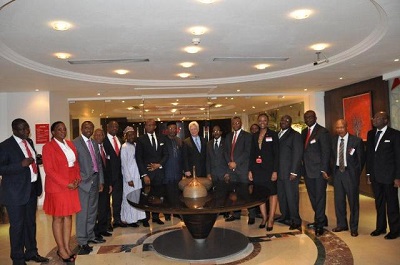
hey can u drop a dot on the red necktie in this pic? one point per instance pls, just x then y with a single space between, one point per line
103 154
233 145
34 167
116 147
307 138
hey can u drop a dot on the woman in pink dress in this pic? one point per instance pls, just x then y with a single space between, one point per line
62 179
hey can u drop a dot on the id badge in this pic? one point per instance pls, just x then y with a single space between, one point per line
259 160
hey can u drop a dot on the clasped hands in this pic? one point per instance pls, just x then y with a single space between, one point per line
73 185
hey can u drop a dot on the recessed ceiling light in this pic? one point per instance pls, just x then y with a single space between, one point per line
231 98
305 89
218 105
175 103
396 60
192 49
340 78
238 90
37 90
146 110
266 102
301 13
202 108
187 64
123 101
129 108
253 107
61 25
173 110
261 66
121 71
99 94
141 104
183 75
319 46
62 55
244 110
199 30
207 1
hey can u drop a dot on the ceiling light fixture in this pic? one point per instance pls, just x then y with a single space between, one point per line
305 89
207 1
183 75
319 46
192 49
319 60
62 55
218 105
121 71
129 108
261 66
396 60
301 13
175 103
173 110
61 25
187 64
198 30
37 90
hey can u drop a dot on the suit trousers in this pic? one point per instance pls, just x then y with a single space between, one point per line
386 202
23 229
288 196
316 189
103 211
117 200
86 217
344 186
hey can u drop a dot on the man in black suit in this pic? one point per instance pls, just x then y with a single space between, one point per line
151 156
194 152
316 159
112 146
20 186
237 156
103 209
216 164
348 161
383 172
290 155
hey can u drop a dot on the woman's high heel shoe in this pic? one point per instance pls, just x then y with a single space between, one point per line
269 228
70 259
262 225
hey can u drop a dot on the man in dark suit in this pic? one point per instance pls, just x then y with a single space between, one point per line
112 146
151 156
290 155
316 159
216 164
348 161
237 155
194 152
91 172
20 186
103 209
383 172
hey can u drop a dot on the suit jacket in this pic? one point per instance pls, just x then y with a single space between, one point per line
317 154
113 168
15 188
192 156
86 164
215 162
56 167
269 152
241 153
290 154
146 154
384 164
355 157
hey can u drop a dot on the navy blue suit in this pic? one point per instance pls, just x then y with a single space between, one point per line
19 195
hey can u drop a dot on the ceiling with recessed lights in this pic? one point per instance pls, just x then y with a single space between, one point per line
144 52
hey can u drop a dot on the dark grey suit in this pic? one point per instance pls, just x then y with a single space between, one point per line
216 164
88 190
347 183
192 156
290 155
316 158
241 155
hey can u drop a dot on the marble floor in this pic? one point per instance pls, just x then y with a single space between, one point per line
280 246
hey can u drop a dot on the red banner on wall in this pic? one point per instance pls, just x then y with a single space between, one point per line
42 133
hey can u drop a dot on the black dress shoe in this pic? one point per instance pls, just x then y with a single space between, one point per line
97 240
314 224
119 224
378 232
231 218
145 223
158 221
133 225
251 221
38 259
294 226
106 234
110 229
84 249
319 231
391 236
354 233
340 229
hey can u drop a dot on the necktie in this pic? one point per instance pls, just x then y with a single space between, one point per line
34 167
153 142
307 138
116 147
341 155
378 133
103 154
198 145
93 156
216 145
280 134
233 145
